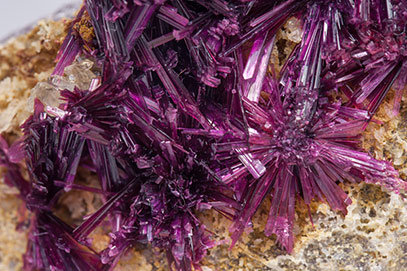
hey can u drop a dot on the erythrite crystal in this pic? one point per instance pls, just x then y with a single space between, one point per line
163 184
53 153
70 48
377 59
299 145
181 113
51 247
9 158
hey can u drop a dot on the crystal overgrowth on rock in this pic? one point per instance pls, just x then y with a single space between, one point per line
187 116
299 143
373 58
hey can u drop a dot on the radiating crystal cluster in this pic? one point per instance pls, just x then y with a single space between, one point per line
176 107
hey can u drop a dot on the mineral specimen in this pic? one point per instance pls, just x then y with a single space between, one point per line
175 107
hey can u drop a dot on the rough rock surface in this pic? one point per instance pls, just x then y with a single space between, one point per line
387 138
24 61
372 236
12 242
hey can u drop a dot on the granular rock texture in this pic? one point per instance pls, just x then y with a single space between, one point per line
24 61
286 39
12 242
387 138
371 237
